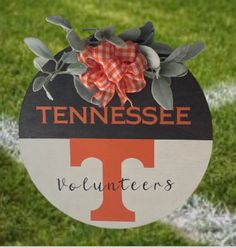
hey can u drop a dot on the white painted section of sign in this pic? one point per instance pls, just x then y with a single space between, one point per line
176 160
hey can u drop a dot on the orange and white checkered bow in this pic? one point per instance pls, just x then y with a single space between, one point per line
113 69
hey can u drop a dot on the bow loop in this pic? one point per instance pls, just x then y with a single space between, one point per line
113 69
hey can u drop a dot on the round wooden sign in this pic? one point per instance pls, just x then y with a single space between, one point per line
116 166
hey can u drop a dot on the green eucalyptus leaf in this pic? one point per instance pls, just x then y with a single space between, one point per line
76 69
38 83
45 87
38 47
150 74
193 50
183 74
39 62
161 48
49 95
151 56
185 52
162 93
84 92
130 34
114 40
59 21
147 32
75 42
108 31
173 69
149 39
105 33
70 57
178 54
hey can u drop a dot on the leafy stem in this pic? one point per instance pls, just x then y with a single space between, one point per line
58 64
48 93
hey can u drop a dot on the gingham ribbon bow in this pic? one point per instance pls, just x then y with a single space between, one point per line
113 69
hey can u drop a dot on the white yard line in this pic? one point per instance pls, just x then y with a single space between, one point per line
198 218
9 138
202 221
220 95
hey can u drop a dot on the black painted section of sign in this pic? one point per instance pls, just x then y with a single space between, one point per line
186 92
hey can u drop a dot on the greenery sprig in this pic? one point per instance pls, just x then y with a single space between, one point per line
163 61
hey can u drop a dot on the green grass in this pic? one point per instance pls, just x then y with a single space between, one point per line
219 184
26 218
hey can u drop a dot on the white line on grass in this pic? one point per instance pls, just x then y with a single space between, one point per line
220 95
198 218
202 221
9 138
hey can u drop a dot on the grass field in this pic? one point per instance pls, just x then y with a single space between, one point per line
26 218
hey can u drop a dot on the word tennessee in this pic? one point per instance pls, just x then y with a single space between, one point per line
63 115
